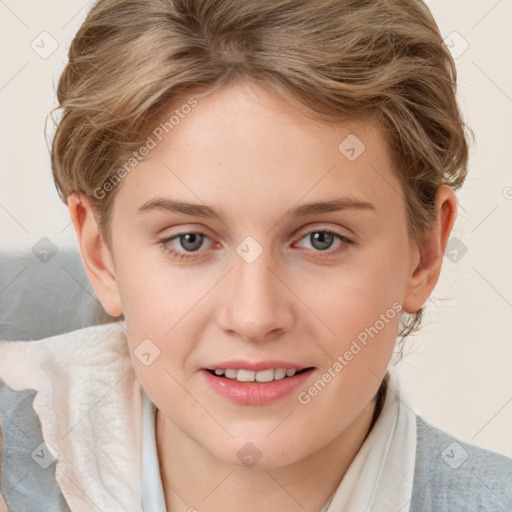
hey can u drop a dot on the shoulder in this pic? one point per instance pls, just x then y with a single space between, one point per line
71 406
90 346
451 475
58 369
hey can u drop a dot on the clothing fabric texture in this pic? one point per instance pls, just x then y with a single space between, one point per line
78 434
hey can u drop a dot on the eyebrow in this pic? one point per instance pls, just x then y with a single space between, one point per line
198 210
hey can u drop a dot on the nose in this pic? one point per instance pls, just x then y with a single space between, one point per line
257 305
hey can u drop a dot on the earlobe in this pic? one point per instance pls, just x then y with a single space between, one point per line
425 273
96 255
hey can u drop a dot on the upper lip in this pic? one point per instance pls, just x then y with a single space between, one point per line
256 366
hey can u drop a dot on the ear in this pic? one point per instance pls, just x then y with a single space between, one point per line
426 272
96 255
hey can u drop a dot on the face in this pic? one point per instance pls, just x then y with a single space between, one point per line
256 278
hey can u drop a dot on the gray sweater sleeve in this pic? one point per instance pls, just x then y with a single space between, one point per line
453 476
27 469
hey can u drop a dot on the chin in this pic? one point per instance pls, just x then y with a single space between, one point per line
256 455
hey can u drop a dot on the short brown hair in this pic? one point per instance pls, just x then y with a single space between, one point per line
335 59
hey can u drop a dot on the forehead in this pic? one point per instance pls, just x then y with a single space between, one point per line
245 146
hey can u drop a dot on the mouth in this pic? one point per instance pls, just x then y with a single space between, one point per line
262 376
256 383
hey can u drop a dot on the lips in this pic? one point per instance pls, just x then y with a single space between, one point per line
256 382
245 389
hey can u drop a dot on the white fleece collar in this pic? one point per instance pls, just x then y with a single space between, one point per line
89 404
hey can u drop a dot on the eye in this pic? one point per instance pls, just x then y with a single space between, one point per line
321 240
187 245
189 242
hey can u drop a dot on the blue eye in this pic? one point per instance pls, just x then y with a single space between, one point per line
322 240
190 243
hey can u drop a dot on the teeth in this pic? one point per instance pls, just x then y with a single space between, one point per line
280 373
251 376
245 376
265 375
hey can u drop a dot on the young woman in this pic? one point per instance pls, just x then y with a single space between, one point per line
262 192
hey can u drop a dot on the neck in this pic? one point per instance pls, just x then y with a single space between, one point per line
193 479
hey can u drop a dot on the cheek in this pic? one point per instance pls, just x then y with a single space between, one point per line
360 308
162 306
353 297
155 294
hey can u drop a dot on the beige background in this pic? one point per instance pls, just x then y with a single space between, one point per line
458 371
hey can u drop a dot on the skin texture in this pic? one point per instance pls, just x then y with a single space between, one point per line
247 153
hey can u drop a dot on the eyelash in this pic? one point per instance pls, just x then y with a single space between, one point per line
194 255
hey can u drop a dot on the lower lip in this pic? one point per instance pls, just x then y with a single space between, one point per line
255 393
